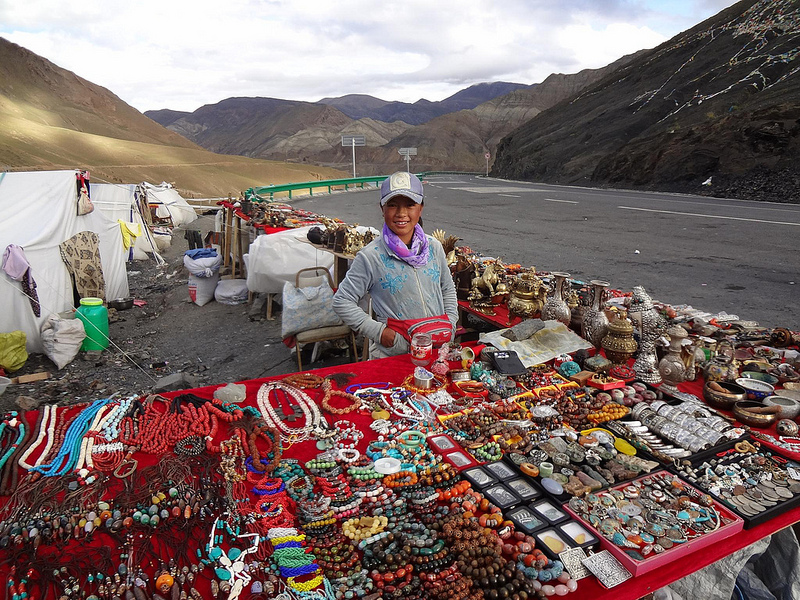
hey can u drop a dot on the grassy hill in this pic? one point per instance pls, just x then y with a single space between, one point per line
50 119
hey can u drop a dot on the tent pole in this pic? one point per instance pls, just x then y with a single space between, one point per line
226 251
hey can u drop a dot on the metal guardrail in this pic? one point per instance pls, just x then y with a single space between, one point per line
258 194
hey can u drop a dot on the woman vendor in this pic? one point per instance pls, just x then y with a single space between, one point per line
405 273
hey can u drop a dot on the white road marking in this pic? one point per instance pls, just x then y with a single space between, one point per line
756 206
564 201
688 214
494 189
510 195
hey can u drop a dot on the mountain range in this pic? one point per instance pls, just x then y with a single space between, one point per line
452 134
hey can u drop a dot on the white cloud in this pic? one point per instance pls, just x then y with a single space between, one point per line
180 54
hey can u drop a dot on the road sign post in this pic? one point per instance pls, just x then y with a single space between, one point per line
407 153
353 141
487 156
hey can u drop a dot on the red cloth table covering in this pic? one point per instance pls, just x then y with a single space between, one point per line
393 370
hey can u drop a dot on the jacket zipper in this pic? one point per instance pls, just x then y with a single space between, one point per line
421 297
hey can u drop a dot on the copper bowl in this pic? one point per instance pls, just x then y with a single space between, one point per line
744 414
725 401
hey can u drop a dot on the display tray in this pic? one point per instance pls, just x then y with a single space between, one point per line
525 520
479 477
736 460
620 430
501 496
730 524
565 497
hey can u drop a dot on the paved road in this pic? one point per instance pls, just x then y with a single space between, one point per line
715 254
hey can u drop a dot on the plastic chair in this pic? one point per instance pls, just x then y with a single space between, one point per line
305 278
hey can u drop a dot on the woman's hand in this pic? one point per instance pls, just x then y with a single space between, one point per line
387 337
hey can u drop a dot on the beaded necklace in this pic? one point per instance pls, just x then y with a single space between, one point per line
67 456
12 423
43 428
313 416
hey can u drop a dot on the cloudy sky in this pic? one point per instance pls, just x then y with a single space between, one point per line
183 54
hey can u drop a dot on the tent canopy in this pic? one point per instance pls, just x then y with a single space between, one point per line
128 203
38 212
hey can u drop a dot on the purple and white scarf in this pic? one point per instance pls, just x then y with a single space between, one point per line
417 256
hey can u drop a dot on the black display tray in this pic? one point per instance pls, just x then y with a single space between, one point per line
525 519
479 477
501 496
749 521
644 452
564 498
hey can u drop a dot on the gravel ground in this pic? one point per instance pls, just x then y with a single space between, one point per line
212 344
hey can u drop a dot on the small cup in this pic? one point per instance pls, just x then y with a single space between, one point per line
467 357
545 469
421 349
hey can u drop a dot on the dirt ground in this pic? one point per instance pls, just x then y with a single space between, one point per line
212 344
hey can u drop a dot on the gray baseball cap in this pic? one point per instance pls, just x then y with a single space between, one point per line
401 184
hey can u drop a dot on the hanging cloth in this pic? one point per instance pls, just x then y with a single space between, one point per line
130 231
18 268
81 254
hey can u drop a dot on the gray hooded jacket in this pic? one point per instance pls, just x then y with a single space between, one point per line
398 291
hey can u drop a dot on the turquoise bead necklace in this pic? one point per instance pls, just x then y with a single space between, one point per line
67 456
12 422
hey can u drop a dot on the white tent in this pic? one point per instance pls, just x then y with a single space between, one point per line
169 204
128 202
38 212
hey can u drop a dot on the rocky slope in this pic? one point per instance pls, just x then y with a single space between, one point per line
718 101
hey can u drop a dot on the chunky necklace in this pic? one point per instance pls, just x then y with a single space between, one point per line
68 454
311 412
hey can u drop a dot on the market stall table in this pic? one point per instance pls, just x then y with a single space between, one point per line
499 320
394 371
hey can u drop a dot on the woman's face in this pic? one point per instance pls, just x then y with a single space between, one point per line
401 215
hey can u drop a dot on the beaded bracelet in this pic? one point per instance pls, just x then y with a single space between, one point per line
305 586
412 438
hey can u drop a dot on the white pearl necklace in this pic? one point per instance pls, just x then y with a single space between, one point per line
312 413
43 428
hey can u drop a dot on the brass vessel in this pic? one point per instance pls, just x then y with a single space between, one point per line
618 342
527 295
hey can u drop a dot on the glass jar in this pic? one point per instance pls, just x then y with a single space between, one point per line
421 349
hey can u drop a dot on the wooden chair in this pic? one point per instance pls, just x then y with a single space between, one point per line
312 277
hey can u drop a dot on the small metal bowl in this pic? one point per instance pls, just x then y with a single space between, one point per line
765 377
756 389
121 303
790 407
752 419
725 401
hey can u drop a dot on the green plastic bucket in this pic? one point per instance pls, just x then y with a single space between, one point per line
95 321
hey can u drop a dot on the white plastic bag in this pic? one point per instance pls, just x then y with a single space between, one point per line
231 291
307 308
202 267
201 289
62 339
